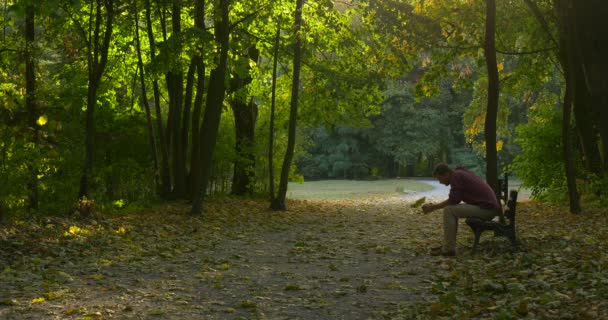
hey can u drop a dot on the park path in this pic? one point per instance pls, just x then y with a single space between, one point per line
364 259
342 259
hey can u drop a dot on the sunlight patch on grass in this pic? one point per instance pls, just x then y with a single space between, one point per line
345 189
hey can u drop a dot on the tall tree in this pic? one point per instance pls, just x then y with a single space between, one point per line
278 202
144 98
493 91
97 36
567 146
175 88
275 59
164 164
30 98
245 112
215 99
199 23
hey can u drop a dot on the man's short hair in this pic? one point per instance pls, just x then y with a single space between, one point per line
441 169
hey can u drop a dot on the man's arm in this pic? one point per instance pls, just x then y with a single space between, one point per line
430 207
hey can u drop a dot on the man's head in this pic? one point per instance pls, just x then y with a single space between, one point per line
443 173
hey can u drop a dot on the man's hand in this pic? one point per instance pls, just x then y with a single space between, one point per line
428 207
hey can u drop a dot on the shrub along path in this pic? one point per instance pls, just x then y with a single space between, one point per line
363 259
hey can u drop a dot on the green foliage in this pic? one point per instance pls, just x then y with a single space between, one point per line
410 130
540 165
594 190
468 158
406 131
343 153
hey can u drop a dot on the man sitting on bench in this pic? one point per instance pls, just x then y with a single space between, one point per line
479 202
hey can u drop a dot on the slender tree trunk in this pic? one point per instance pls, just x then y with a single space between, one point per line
186 122
195 165
575 206
272 110
213 109
165 174
96 63
175 79
144 98
493 90
30 100
573 94
199 22
279 203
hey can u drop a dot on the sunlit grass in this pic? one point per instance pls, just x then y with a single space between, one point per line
343 189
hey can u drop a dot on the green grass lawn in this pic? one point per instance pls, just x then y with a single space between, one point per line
341 189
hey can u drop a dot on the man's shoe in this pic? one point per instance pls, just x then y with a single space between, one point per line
438 251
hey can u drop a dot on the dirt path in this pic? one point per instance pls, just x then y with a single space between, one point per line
364 259
333 260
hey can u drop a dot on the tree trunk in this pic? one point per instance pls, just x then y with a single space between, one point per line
493 89
275 59
575 206
30 100
96 62
279 202
144 98
175 79
584 118
186 121
213 109
165 174
199 22
588 18
580 21
573 94
245 117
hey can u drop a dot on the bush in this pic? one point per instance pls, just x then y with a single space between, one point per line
540 165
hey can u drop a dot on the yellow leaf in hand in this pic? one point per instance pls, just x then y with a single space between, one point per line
418 202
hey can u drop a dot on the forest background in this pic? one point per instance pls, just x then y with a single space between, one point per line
116 105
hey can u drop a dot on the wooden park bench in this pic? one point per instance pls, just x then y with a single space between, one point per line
501 227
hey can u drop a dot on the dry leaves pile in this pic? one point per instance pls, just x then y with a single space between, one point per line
330 260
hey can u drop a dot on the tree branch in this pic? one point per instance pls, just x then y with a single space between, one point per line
2 50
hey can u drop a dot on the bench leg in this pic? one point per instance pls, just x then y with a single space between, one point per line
477 233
